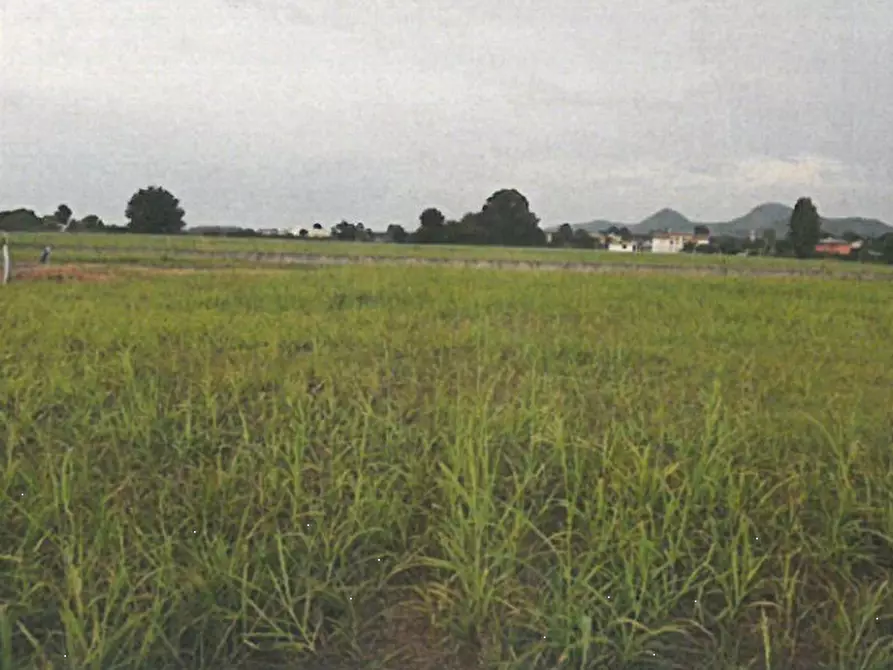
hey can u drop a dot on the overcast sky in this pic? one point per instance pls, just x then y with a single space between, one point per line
285 112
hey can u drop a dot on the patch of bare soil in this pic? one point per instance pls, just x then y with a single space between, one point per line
92 272
404 638
401 638
60 273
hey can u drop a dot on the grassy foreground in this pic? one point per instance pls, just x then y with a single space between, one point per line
419 467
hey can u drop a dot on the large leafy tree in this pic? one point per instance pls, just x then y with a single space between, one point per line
431 218
467 230
564 236
155 210
805 228
20 219
396 233
583 240
63 214
351 232
506 219
92 222
432 227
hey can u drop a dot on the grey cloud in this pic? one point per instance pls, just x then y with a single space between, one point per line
373 111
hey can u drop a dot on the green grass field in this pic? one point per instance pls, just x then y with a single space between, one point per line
91 247
417 467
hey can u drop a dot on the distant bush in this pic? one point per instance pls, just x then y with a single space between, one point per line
20 219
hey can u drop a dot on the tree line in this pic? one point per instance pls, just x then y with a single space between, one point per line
804 233
505 219
151 210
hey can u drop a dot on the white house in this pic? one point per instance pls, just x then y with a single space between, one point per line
620 246
312 232
673 243
666 244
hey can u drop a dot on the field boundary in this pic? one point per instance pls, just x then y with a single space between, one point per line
117 255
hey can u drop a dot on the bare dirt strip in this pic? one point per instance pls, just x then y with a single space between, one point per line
90 272
614 267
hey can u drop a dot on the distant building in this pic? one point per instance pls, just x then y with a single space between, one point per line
627 247
673 243
833 246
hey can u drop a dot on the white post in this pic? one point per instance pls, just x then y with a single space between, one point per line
5 259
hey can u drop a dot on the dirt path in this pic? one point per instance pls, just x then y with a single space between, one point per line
180 258
98 271
91 272
595 267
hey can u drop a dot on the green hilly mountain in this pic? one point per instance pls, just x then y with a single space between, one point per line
665 219
770 215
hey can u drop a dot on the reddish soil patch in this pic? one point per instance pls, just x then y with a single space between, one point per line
60 273
89 272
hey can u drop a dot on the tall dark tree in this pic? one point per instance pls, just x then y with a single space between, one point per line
583 240
805 228
431 218
432 227
92 222
156 211
397 234
364 234
467 230
886 244
702 231
563 237
345 231
63 214
506 219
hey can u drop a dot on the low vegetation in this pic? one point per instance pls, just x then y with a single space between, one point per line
180 250
425 467
504 222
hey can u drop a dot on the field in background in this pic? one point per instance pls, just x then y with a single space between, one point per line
187 250
423 467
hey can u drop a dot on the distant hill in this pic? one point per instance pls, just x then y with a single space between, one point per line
665 219
770 215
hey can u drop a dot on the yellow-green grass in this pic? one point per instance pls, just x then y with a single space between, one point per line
185 250
547 470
